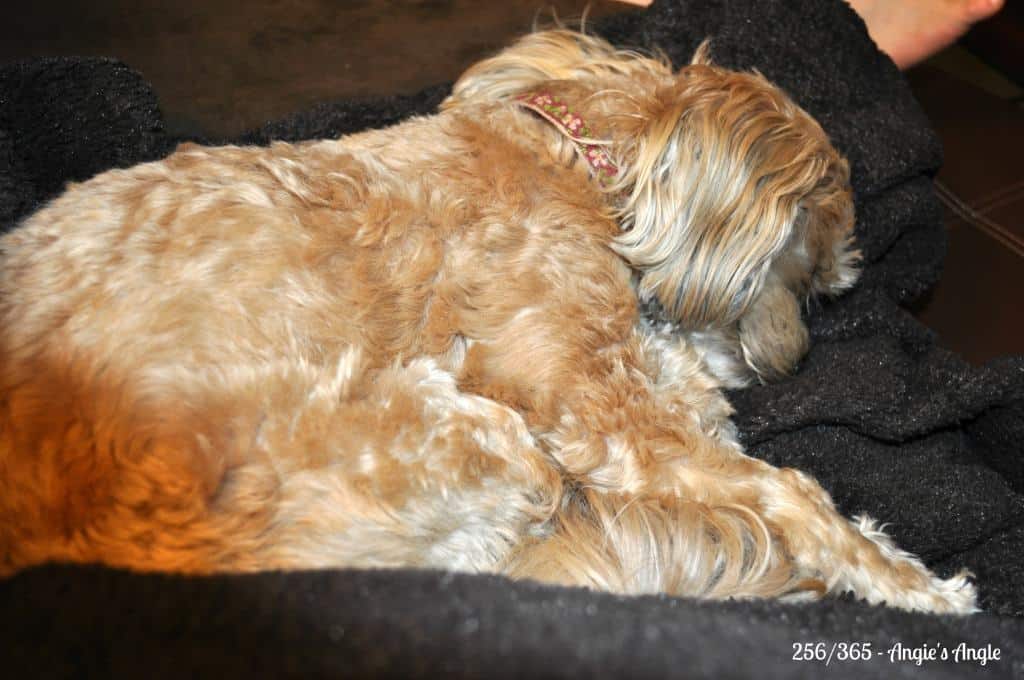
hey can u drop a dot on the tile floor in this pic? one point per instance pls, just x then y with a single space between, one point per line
978 306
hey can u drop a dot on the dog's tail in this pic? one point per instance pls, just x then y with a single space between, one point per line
640 545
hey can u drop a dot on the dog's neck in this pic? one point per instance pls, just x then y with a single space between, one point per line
557 111
612 115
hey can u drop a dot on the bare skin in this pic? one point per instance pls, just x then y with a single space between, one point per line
910 31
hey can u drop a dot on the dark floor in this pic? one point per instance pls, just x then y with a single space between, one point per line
224 67
977 306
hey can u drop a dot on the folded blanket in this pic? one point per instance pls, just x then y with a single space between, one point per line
891 424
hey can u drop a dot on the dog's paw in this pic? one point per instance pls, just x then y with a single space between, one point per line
956 595
909 584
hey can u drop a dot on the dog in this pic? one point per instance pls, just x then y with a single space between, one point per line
425 346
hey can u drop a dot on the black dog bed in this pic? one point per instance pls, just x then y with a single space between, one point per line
891 424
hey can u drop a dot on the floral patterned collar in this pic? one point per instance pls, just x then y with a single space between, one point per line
572 125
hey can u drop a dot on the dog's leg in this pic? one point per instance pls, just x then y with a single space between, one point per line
281 464
398 469
755 530
625 421
807 531
850 556
619 427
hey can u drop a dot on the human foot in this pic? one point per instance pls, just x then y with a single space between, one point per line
910 31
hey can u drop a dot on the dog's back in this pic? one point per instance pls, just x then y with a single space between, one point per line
158 321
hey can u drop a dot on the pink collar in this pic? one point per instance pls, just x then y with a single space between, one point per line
570 124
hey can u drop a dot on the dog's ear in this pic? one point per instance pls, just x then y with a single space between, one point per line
714 185
769 338
817 259
833 260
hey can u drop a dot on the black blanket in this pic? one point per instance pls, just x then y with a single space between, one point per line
890 423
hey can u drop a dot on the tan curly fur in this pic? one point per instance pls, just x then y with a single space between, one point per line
422 346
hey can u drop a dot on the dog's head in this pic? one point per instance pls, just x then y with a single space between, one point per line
735 207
